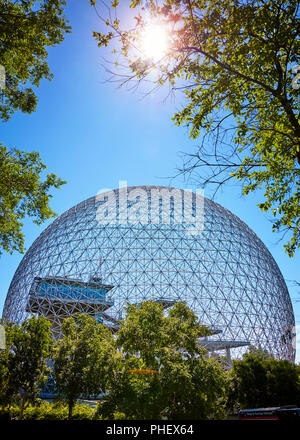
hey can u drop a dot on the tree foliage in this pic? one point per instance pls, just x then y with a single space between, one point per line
235 61
82 359
22 192
27 28
258 381
153 367
165 371
23 363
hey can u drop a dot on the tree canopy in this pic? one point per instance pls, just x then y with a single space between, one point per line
83 359
27 28
23 363
22 192
165 371
236 62
259 381
152 367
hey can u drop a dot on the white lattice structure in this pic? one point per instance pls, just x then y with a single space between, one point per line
225 273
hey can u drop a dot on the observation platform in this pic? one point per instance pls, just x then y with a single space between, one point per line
166 302
222 345
217 345
57 298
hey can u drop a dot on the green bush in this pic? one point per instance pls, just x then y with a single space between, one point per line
9 413
120 416
82 411
102 412
46 411
49 411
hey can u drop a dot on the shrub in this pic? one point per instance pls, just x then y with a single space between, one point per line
48 411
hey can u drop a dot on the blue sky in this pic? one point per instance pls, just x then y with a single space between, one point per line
93 134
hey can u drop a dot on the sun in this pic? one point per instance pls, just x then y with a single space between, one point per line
154 41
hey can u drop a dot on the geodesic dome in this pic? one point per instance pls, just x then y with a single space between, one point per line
223 271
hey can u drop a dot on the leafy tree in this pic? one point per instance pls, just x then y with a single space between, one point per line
196 387
130 393
83 359
4 395
22 192
27 28
165 369
258 380
23 364
236 62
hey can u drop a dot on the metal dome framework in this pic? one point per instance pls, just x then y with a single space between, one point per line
225 273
